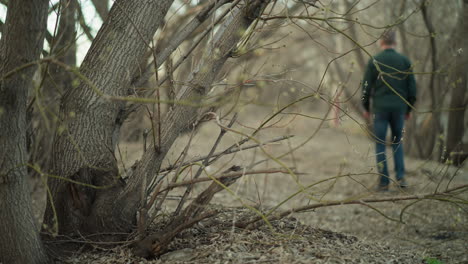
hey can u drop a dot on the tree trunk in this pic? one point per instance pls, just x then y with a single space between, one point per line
21 43
355 100
84 147
456 128
433 131
84 150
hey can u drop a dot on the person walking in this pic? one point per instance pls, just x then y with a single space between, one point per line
389 91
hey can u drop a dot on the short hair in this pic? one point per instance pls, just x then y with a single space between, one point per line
389 37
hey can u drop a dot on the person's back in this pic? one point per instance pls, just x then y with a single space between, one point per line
389 83
389 75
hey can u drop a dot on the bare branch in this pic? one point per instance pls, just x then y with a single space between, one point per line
204 164
253 224
223 176
179 37
84 26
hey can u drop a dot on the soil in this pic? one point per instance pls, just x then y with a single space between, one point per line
425 231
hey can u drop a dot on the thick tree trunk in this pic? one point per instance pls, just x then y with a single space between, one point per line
456 128
84 150
22 41
84 147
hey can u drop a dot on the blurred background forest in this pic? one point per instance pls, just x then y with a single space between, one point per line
300 49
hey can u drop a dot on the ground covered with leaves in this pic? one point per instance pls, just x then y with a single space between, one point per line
342 160
286 241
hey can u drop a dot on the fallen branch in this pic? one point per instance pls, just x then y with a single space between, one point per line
255 223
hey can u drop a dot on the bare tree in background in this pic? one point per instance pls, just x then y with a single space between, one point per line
21 44
458 102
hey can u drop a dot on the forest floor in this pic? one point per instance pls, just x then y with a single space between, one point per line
430 231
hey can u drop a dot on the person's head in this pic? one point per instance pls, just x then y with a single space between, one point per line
388 39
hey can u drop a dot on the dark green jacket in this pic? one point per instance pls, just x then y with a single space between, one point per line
396 71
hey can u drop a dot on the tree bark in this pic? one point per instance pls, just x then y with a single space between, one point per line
22 41
458 102
84 146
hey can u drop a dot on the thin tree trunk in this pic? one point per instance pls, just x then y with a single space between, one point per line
22 41
361 61
456 128
410 126
355 100
102 7
65 41
44 107
433 130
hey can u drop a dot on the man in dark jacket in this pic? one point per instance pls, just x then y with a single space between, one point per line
390 86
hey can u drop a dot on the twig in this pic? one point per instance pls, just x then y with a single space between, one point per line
204 164
176 175
142 221
155 194
223 176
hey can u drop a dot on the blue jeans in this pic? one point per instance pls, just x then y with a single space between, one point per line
396 121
